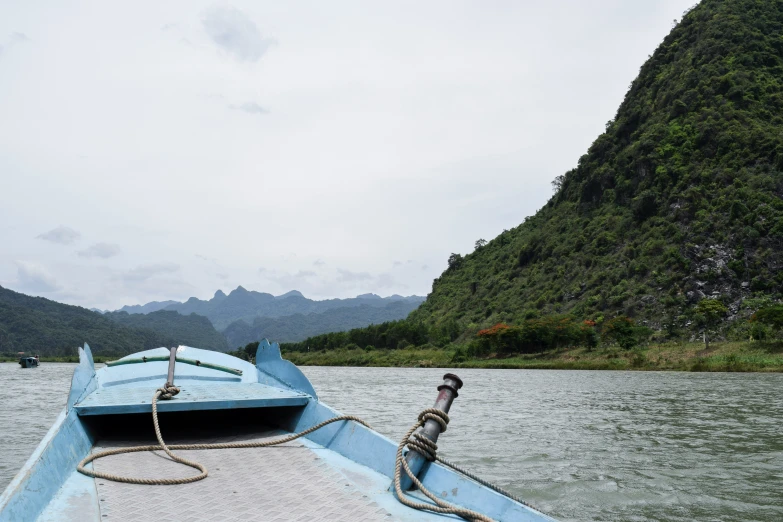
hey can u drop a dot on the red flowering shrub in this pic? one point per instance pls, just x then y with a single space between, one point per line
536 335
493 331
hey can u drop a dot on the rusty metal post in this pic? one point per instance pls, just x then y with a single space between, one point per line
431 429
172 362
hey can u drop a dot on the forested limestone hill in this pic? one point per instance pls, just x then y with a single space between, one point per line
39 326
680 198
190 330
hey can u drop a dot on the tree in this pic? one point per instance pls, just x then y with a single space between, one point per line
480 243
455 260
246 353
557 183
769 315
621 329
709 313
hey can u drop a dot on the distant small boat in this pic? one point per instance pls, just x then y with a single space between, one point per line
29 362
265 447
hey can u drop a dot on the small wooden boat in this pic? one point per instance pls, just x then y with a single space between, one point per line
236 423
29 362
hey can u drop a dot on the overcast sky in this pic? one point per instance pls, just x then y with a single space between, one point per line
161 150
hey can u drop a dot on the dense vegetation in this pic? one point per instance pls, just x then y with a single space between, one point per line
728 356
297 327
677 202
190 330
38 325
531 336
386 336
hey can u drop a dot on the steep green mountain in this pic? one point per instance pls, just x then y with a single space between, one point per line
38 325
242 304
680 198
297 327
190 330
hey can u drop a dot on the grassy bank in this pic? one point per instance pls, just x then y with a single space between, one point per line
721 357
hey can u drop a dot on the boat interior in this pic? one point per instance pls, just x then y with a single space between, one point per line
342 471
298 480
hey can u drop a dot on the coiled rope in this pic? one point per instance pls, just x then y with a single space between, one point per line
429 450
167 392
414 441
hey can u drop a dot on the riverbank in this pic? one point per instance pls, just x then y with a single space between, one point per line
721 357
65 359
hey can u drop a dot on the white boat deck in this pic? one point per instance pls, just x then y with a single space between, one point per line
299 480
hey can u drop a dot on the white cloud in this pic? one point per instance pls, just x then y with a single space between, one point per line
151 282
15 39
284 281
250 108
62 235
388 281
102 250
33 277
145 272
348 276
234 32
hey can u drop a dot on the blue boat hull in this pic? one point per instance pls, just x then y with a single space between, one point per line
115 401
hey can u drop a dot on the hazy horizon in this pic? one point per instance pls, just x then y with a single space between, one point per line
227 292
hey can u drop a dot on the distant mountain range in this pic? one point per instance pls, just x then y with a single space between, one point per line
248 306
297 327
152 306
38 325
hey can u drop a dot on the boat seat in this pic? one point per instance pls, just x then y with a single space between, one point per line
192 396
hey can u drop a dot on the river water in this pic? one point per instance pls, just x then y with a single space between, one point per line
580 445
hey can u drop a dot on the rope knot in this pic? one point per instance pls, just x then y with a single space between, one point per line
421 443
167 391
424 446
439 416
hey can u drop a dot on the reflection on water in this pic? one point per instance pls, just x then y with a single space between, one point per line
581 445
